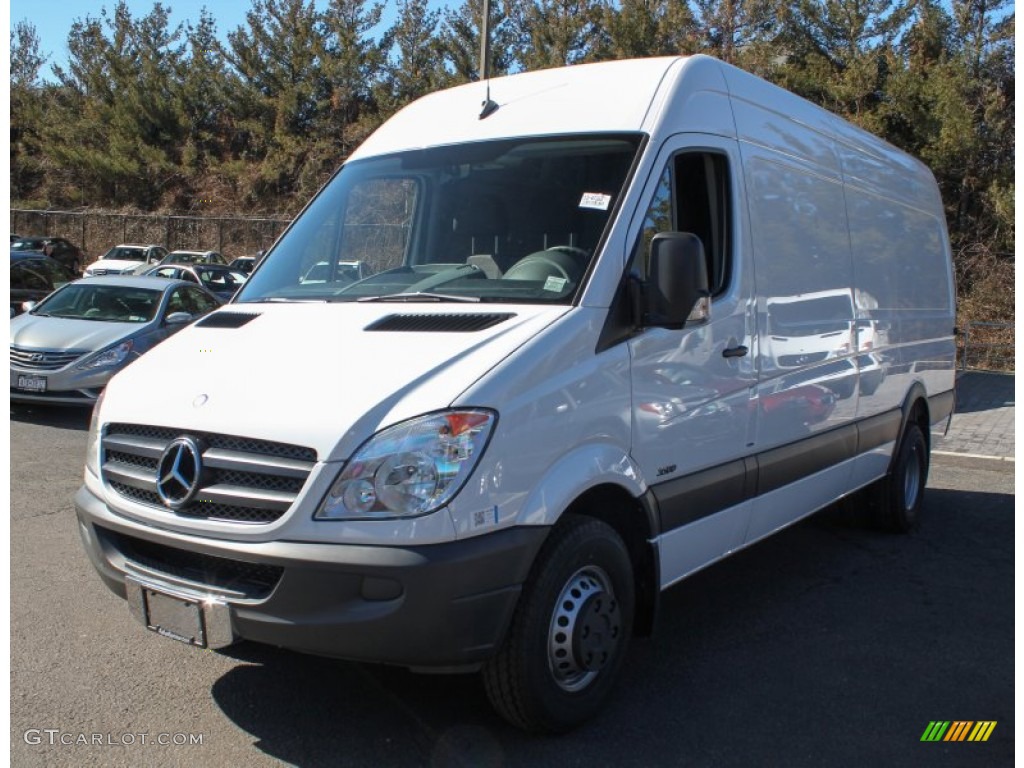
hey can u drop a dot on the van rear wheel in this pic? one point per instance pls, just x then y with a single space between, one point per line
569 633
898 497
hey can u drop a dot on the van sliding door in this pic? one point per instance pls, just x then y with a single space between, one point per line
691 399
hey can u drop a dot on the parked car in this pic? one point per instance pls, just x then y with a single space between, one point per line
34 276
193 257
344 272
59 248
15 238
126 260
65 349
245 264
222 281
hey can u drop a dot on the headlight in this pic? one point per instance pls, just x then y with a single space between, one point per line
92 446
113 356
411 468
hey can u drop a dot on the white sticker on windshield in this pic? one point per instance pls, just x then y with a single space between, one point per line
554 283
595 200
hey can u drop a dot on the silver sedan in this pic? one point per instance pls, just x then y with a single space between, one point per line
66 348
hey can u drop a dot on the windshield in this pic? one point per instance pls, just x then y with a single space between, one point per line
515 220
111 303
126 254
219 279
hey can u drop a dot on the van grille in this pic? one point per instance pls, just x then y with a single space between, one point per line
243 480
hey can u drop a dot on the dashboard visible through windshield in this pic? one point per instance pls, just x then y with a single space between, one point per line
512 221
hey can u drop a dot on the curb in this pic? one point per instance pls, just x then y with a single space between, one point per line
973 461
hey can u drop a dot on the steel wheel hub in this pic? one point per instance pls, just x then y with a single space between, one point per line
586 629
912 481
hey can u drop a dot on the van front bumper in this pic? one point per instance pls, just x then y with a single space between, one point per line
441 605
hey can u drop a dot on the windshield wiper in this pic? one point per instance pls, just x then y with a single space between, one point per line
420 296
283 300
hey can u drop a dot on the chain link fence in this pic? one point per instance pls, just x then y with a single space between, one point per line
986 346
96 232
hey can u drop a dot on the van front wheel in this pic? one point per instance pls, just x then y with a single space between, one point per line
569 633
898 498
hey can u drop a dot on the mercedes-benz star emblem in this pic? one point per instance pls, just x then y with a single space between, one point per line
179 472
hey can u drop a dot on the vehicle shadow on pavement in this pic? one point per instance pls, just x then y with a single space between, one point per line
52 416
983 391
792 651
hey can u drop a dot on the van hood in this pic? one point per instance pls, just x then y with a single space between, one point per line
312 374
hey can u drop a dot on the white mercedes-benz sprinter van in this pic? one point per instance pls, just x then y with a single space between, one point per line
534 381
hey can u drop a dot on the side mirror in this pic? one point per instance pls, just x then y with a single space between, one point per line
178 318
676 291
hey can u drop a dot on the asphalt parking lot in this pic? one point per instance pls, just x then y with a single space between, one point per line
828 644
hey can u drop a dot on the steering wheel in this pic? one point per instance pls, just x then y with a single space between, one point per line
561 261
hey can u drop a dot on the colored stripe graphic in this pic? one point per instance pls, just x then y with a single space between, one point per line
958 730
982 730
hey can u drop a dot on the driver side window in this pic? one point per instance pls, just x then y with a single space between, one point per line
178 303
693 196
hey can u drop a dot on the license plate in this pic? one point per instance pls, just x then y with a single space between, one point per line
32 383
199 620
175 617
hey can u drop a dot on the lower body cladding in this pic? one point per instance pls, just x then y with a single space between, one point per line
437 606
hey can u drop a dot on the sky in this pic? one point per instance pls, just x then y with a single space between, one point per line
53 18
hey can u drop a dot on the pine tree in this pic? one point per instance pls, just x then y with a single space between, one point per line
353 65
554 33
460 41
28 110
415 63
639 28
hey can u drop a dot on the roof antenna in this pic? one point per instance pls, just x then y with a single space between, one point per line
488 107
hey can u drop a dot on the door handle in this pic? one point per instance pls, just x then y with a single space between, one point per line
737 351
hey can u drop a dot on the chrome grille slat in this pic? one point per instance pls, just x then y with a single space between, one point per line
244 480
151 448
219 458
232 494
45 359
127 474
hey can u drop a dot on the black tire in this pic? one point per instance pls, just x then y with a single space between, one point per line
548 680
898 497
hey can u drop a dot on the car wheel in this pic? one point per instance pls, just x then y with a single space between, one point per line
570 630
898 497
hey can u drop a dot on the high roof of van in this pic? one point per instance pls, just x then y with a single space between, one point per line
605 97
659 97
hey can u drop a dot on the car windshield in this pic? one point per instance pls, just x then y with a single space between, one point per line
110 303
28 245
126 254
514 220
219 279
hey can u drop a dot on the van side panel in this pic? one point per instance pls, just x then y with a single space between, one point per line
905 312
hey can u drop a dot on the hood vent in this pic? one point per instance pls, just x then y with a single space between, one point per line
227 319
430 323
